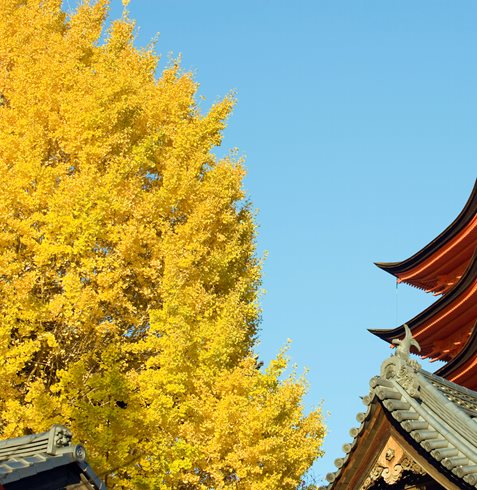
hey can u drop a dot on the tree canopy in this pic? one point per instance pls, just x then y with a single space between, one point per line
128 275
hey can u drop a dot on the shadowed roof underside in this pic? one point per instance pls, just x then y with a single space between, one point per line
444 328
438 265
463 368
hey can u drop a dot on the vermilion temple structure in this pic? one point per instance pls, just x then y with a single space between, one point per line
448 267
419 430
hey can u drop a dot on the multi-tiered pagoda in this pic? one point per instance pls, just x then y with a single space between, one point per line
448 267
419 430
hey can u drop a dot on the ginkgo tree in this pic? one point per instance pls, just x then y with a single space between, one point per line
128 274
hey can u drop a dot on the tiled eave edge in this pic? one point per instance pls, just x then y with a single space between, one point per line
26 456
422 412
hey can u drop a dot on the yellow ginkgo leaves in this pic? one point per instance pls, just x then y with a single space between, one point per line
128 275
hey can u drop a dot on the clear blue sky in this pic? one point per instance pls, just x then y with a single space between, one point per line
358 120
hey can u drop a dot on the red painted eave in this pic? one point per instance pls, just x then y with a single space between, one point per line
463 368
443 328
438 265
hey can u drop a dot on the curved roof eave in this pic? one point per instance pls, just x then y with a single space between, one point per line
464 217
466 354
465 282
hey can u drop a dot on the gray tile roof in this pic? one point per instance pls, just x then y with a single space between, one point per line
30 455
437 414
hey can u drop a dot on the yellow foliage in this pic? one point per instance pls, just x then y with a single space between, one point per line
128 276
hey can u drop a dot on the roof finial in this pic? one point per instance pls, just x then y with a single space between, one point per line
404 346
400 367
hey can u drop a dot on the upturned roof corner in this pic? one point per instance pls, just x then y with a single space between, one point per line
433 421
42 460
419 430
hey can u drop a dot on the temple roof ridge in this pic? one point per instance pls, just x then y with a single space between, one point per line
24 457
438 416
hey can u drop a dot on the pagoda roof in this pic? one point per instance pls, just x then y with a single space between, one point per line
444 327
463 368
44 461
438 265
417 427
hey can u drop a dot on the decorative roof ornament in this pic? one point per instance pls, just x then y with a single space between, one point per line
41 458
401 367
392 465
403 348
